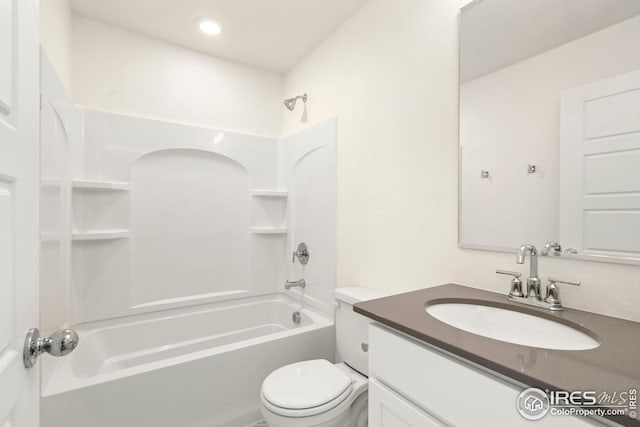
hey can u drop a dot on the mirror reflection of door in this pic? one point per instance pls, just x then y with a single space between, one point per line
600 167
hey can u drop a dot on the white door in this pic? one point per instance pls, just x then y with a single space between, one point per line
19 186
600 167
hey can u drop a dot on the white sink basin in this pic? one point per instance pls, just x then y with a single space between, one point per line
512 326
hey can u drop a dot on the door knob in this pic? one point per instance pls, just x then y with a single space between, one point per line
60 343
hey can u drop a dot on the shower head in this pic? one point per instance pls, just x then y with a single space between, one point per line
291 102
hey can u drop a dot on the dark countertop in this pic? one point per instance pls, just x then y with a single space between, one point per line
614 366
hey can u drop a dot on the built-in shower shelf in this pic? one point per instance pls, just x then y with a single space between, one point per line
100 235
269 193
84 184
269 230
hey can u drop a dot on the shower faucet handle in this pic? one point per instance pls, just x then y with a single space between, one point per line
302 254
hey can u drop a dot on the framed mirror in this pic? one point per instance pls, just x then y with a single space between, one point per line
550 127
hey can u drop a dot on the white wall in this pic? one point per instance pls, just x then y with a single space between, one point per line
55 37
390 74
510 118
120 71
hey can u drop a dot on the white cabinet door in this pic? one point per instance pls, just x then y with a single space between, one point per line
387 409
438 384
19 186
599 159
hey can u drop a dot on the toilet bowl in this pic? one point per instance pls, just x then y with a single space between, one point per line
317 393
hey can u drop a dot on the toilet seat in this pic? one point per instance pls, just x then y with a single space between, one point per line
305 388
336 413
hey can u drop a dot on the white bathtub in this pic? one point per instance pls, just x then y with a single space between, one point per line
199 366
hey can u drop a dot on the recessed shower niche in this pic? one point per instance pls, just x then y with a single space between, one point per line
268 211
167 215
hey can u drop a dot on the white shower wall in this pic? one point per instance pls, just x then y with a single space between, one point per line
309 159
55 199
164 215
180 224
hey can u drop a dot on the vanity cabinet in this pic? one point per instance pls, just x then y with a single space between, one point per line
387 409
415 384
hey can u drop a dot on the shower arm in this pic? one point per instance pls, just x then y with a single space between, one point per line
295 98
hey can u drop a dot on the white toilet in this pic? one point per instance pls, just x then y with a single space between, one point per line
318 393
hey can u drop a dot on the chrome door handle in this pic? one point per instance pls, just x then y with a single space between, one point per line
60 343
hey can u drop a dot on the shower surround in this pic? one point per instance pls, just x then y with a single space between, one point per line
151 228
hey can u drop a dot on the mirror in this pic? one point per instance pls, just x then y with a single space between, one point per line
550 127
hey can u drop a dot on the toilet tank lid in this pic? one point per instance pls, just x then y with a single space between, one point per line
354 294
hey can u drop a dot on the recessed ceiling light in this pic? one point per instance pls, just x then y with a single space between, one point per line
209 26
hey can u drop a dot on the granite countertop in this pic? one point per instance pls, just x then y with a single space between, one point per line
614 366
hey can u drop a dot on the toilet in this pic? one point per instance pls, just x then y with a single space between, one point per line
321 394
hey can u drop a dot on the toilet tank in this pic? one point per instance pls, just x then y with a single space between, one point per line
352 335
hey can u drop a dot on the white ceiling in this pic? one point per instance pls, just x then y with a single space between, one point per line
498 33
269 34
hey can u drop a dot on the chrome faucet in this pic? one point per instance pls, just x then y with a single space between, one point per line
552 296
295 284
533 281
302 253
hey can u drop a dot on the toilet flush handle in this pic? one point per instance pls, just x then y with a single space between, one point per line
364 346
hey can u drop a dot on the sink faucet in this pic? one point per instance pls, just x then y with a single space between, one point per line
552 297
295 284
533 281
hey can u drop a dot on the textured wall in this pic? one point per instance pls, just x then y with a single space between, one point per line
55 37
390 75
120 71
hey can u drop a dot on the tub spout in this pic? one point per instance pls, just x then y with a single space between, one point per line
296 284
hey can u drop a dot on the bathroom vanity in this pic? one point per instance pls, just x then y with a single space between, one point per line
425 372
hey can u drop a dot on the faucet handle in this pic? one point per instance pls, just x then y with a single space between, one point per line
509 273
552 296
516 283
302 253
565 282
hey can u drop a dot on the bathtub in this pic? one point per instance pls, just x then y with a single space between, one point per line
200 366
